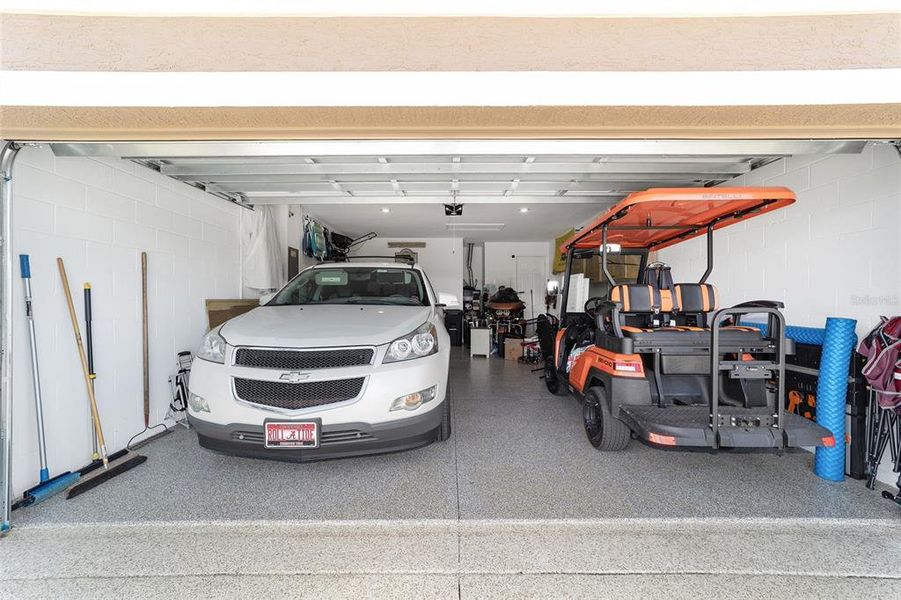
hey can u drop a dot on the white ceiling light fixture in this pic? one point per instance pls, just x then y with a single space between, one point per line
386 210
524 209
474 226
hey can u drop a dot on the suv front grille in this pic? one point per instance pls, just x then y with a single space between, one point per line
295 396
302 360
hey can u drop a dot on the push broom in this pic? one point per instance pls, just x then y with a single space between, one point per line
48 486
126 461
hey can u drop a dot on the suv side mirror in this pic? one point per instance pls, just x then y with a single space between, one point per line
447 300
265 298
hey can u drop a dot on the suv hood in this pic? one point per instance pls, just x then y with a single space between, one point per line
318 326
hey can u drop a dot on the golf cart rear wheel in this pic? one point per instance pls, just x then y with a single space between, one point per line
552 381
604 431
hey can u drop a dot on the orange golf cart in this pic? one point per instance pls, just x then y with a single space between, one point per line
659 360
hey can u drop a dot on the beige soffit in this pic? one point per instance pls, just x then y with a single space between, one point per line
122 43
545 122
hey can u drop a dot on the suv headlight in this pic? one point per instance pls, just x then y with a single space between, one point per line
212 348
421 342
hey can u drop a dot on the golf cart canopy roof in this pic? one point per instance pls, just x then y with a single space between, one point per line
661 217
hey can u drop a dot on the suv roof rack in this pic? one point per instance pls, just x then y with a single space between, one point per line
398 258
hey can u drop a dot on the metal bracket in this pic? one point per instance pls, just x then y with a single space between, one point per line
748 369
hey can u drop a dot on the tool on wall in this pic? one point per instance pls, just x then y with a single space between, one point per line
89 341
48 486
127 461
145 361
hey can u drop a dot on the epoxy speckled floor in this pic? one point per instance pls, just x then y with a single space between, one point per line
516 504
517 453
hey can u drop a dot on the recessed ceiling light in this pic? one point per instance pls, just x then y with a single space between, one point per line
524 209
386 210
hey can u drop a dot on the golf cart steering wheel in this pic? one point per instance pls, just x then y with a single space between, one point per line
592 305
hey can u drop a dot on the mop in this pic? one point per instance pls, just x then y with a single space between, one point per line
127 461
48 486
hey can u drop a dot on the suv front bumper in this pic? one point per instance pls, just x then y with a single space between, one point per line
336 440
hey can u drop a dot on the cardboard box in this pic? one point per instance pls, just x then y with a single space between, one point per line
512 348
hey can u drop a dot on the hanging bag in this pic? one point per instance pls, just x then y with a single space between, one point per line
882 349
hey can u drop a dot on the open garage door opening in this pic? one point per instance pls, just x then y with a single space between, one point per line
421 307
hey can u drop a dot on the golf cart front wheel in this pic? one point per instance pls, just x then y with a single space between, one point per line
604 431
553 382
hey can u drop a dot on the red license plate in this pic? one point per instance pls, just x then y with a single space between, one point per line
292 434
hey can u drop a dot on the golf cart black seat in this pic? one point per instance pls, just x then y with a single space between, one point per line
651 318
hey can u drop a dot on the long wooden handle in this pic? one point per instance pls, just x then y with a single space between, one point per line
146 339
95 415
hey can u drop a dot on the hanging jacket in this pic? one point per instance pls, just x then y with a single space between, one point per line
318 241
327 236
307 240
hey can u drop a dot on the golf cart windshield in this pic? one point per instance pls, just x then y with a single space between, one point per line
354 285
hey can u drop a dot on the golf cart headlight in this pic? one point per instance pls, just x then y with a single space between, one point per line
419 343
414 401
198 403
212 348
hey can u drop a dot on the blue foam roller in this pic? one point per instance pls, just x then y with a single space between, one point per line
809 335
832 389
802 335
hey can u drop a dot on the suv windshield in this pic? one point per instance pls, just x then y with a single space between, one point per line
354 285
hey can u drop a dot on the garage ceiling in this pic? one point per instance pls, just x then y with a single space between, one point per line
326 179
561 182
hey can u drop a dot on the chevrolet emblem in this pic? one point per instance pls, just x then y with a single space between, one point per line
294 377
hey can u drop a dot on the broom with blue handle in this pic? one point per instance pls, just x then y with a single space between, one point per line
48 486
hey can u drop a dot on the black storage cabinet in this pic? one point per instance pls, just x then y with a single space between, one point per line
453 322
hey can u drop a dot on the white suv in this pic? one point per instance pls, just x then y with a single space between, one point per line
346 359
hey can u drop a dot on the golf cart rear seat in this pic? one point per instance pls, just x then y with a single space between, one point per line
654 319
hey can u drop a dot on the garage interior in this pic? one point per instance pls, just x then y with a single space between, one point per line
198 141
518 454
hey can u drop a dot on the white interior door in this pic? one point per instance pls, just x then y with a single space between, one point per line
531 282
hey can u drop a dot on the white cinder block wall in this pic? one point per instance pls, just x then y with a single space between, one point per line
835 252
99 215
